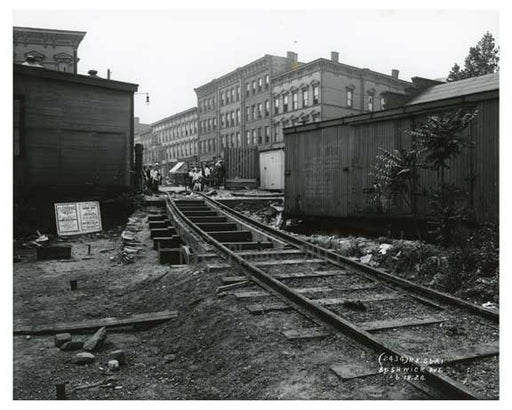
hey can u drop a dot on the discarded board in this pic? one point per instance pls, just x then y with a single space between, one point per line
395 323
54 252
354 370
258 308
232 286
298 275
470 353
263 293
305 334
95 324
222 266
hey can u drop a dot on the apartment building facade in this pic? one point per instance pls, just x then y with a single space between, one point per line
170 140
325 89
234 110
250 105
53 49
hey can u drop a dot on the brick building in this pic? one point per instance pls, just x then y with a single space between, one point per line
53 49
326 89
250 105
234 110
170 140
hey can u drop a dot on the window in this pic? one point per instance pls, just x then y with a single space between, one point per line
276 105
316 98
370 103
238 116
267 108
350 98
238 93
295 100
253 112
232 95
260 110
222 120
382 103
214 123
260 84
214 145
253 137
259 136
305 98
248 137
247 89
221 99
247 113
232 118
238 139
267 134
275 130
227 97
232 139
222 142
253 87
267 81
209 124
285 103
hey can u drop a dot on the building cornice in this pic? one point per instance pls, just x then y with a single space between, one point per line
323 64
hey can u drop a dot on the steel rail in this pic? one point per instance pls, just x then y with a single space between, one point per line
451 388
345 262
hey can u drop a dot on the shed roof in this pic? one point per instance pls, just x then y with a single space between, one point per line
42 72
489 82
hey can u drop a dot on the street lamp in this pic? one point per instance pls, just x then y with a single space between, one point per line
147 97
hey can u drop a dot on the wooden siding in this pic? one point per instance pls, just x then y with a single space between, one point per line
75 133
328 170
241 163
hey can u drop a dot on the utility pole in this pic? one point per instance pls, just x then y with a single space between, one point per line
108 73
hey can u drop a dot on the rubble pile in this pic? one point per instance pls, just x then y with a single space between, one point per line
131 244
271 216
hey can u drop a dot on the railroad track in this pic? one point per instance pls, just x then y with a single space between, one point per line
378 310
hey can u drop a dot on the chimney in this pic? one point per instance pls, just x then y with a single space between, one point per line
394 73
93 73
293 59
335 56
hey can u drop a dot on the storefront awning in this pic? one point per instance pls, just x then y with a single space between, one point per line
176 168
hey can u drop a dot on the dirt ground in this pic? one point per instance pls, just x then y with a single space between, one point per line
215 349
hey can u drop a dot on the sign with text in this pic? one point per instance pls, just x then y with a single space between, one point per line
75 218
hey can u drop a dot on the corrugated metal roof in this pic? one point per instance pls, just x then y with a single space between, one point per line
489 82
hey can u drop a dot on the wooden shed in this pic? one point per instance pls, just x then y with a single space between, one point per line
328 164
73 136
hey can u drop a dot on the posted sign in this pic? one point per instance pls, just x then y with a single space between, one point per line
75 218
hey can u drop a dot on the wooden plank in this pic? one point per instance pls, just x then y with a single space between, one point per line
262 293
395 323
94 324
297 275
426 388
305 334
354 370
258 308
235 285
221 266
427 302
306 275
471 352
276 252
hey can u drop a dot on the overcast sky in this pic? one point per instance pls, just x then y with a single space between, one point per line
169 53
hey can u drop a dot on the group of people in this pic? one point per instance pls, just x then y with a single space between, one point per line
211 176
153 177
